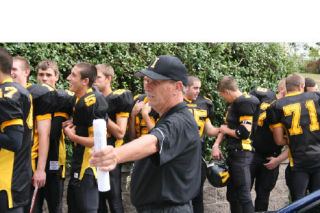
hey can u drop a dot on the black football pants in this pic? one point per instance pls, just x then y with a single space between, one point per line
265 181
303 180
238 187
52 192
4 208
113 196
83 196
183 208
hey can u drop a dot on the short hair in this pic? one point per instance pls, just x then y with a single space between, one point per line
25 62
309 82
192 79
5 61
293 81
44 65
87 70
106 69
227 82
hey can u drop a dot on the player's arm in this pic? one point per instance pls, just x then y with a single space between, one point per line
132 121
274 162
70 130
109 157
242 132
278 134
210 130
43 127
216 152
11 139
146 109
118 129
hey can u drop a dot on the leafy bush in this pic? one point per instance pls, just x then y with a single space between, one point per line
251 64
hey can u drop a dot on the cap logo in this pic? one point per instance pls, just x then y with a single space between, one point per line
154 62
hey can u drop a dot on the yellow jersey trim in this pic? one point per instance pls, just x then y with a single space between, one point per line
11 123
43 117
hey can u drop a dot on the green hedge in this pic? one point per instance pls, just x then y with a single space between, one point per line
252 64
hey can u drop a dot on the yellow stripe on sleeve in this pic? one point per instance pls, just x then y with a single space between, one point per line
11 123
122 114
43 117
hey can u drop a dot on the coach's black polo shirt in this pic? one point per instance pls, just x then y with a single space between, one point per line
172 175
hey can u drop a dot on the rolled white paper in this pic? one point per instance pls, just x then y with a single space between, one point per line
100 141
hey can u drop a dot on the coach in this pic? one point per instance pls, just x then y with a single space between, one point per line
166 175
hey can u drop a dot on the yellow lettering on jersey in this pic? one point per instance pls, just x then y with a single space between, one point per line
119 91
10 92
49 88
261 118
314 125
224 175
154 62
261 89
91 99
264 105
198 114
295 111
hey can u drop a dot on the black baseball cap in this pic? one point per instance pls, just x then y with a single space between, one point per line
165 67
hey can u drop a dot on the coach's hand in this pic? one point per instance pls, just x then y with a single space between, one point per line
39 178
106 159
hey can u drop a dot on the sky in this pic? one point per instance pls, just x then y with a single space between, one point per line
159 21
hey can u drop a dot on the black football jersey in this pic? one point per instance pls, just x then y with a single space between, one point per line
44 99
57 150
245 107
202 110
141 127
15 167
263 138
299 114
87 108
120 104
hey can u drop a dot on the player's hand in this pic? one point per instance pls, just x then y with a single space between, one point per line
137 108
106 159
67 123
39 178
146 109
223 129
216 152
69 129
273 163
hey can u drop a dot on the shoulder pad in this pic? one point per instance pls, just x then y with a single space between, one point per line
38 90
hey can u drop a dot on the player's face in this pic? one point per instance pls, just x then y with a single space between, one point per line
101 81
158 92
193 91
225 96
75 81
47 77
19 74
312 89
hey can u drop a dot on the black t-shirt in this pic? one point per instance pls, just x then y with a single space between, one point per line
172 175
